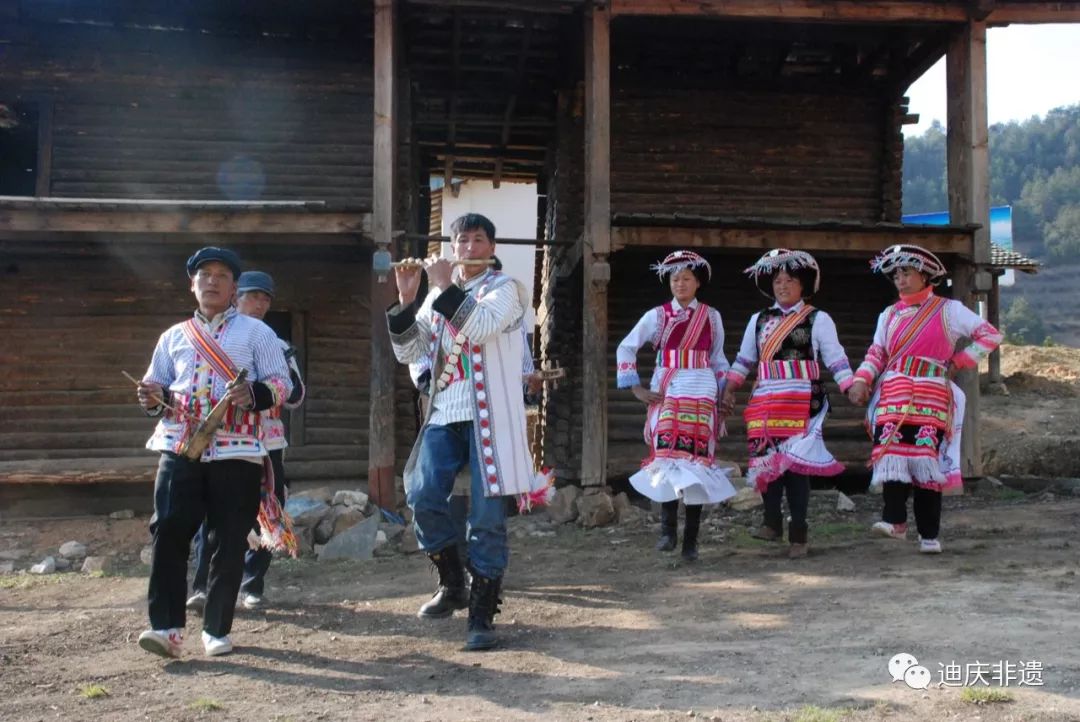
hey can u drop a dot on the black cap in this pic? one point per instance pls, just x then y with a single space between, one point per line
213 253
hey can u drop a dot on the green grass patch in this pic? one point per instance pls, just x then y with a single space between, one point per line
1006 493
205 704
985 695
811 713
836 531
93 691
28 581
740 537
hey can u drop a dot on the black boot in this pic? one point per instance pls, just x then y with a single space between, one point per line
669 526
690 533
483 606
451 594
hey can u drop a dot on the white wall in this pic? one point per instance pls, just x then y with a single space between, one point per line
512 208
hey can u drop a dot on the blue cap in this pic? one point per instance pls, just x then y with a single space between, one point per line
213 253
255 281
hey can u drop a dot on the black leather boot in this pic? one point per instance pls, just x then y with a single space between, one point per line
669 526
451 594
690 532
483 606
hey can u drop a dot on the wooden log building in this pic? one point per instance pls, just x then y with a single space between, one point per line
304 135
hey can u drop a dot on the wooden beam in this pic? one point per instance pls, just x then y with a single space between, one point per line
993 315
865 241
298 338
1034 13
451 121
508 116
596 246
383 365
967 156
968 147
863 11
922 59
43 180
164 220
867 11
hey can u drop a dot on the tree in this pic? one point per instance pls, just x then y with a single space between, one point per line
1022 325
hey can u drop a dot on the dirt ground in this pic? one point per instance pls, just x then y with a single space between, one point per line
597 626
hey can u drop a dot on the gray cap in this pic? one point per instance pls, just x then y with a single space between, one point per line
255 281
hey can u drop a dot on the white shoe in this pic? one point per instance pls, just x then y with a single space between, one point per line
893 531
216 646
929 546
196 603
252 601
162 642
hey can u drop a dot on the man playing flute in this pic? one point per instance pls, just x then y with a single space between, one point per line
469 327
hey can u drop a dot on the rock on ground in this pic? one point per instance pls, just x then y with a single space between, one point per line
355 543
595 509
563 508
46 566
93 565
348 497
73 550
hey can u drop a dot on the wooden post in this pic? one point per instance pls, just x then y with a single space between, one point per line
596 246
383 364
969 197
43 183
993 315
298 417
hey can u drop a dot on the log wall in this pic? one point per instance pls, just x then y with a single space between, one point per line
770 154
181 115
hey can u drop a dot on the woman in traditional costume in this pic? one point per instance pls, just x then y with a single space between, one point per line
682 424
916 412
787 344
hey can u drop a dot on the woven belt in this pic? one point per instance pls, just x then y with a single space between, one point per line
789 370
683 359
916 366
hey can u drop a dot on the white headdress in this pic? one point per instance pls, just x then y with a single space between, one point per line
781 259
905 255
679 261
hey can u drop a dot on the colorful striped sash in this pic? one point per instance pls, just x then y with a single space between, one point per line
917 366
782 331
789 370
683 359
210 349
689 340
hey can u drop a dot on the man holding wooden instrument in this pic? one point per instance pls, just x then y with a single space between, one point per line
209 379
469 327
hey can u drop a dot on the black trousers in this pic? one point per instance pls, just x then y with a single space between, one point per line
256 561
926 504
797 487
669 519
226 495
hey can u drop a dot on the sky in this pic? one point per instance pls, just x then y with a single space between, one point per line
1030 69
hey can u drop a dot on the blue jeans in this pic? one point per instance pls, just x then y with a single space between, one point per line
444 450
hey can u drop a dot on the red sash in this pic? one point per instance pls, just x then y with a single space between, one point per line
210 349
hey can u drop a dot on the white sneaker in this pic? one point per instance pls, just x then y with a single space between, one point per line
929 546
196 603
216 646
162 642
252 601
893 531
